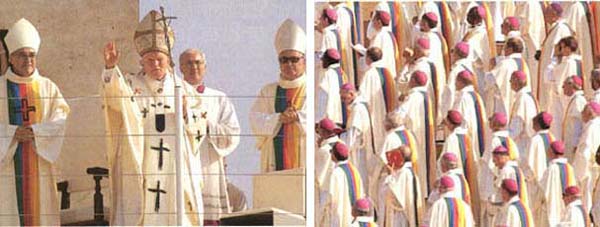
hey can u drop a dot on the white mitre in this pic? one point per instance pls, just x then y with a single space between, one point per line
22 34
290 36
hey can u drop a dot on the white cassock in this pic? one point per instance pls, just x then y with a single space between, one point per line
595 96
493 212
436 48
384 40
323 168
264 120
345 24
556 75
553 188
515 213
372 92
359 138
486 164
586 168
497 91
400 198
338 205
449 91
576 215
221 139
361 221
453 144
533 31
461 187
143 184
330 83
47 117
575 15
466 104
479 48
556 32
534 165
572 124
330 38
522 111
436 81
416 121
439 214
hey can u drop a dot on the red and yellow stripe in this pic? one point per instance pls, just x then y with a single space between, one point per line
287 143
456 212
388 88
354 182
409 140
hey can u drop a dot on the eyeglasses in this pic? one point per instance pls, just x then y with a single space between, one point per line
285 60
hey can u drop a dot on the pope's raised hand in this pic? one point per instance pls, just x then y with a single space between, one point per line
111 55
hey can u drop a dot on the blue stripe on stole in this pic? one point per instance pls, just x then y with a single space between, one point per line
428 134
563 175
546 139
522 213
280 106
338 39
384 86
463 151
579 66
392 17
351 182
519 64
584 215
519 177
479 123
450 204
357 17
16 118
340 78
434 79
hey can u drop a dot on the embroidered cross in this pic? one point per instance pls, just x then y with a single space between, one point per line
157 190
160 150
25 109
198 136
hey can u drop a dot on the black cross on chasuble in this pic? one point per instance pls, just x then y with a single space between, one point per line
24 110
160 150
157 190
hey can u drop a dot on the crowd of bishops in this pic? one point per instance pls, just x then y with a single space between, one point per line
457 114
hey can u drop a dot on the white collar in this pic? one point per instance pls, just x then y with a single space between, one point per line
513 199
543 131
460 130
376 64
334 65
339 163
597 92
399 128
513 34
575 203
559 160
418 89
331 27
454 171
448 194
576 93
515 55
292 83
364 219
462 61
10 75
503 133
330 140
525 89
468 88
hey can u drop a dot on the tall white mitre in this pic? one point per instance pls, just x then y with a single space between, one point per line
290 36
22 34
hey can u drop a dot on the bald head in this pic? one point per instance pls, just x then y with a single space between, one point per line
192 63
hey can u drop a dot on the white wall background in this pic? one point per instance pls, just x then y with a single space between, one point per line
237 38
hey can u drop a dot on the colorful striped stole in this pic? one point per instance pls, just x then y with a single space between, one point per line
584 214
430 151
25 109
466 191
342 79
522 185
510 144
366 224
396 50
354 182
388 88
548 138
456 212
287 143
409 140
434 82
489 25
397 30
480 120
524 213
567 176
464 143
446 26
354 39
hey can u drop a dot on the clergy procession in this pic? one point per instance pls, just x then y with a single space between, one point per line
436 113
142 118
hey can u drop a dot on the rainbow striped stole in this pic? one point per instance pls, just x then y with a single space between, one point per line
287 143
446 25
396 50
366 224
456 212
409 140
522 185
434 82
397 30
466 193
480 120
25 109
341 48
510 144
354 39
388 88
524 213
548 138
584 214
430 151
354 181
489 25
464 143
342 79
567 176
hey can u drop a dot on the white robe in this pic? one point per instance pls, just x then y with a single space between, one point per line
575 15
400 199
556 32
426 65
219 141
457 177
361 221
439 215
486 164
345 24
135 161
535 162
595 96
449 92
511 215
338 198
479 48
498 93
576 215
533 31
414 107
553 190
386 43
466 106
330 40
522 112
323 163
452 145
48 129
359 138
572 123
556 75
330 84
586 168
264 121
436 48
